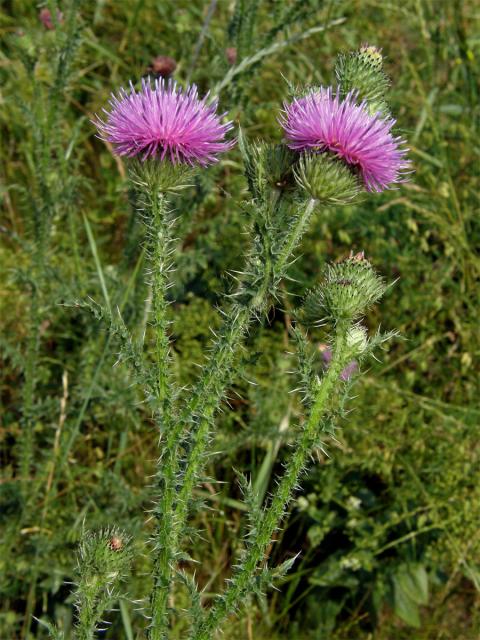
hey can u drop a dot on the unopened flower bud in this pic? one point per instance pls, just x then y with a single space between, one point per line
103 560
231 55
349 288
327 179
357 340
105 554
362 71
163 66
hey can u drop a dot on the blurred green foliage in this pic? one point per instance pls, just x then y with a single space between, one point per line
388 523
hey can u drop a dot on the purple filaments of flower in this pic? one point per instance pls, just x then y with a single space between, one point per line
347 372
166 122
321 121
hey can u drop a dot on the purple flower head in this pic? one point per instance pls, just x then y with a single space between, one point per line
164 122
321 121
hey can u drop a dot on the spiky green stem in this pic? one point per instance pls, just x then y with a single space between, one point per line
198 416
240 584
160 244
160 250
172 513
90 608
200 410
208 395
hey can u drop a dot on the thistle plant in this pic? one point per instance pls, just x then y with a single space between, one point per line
335 148
103 561
170 130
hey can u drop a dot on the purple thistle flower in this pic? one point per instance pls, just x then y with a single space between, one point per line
165 121
321 121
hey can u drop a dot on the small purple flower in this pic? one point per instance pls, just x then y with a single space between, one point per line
347 372
321 121
165 121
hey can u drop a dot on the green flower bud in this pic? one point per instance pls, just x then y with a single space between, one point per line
268 167
357 340
279 160
349 289
326 179
104 555
102 562
362 71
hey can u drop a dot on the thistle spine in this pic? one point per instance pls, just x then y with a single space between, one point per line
294 235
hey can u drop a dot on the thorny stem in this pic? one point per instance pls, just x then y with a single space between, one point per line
172 516
89 611
208 395
241 581
160 244
160 249
199 414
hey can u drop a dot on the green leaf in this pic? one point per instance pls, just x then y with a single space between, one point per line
410 585
404 607
414 582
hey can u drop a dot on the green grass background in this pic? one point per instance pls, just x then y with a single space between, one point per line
399 495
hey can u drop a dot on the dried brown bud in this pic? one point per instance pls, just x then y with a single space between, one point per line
163 66
45 18
231 55
115 543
